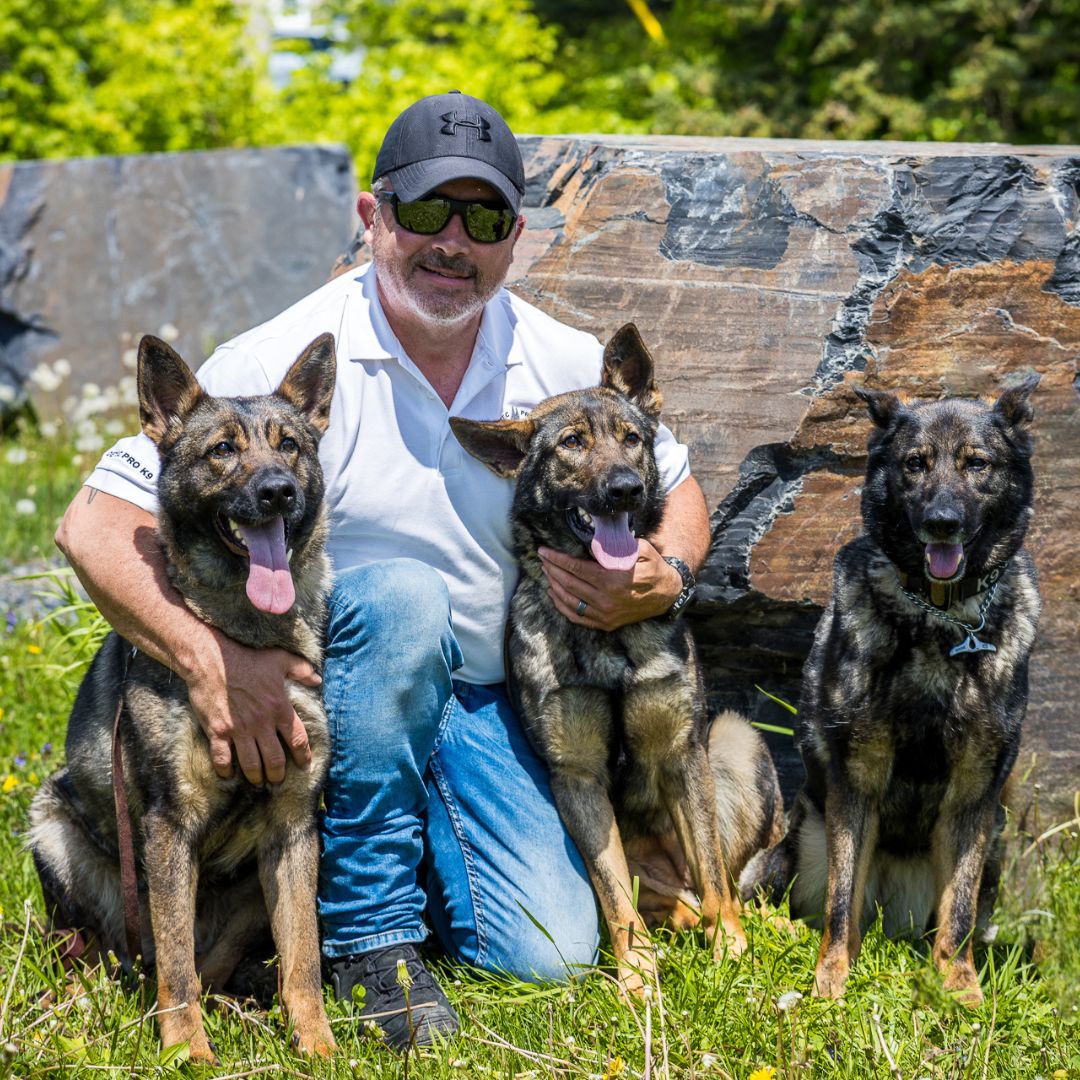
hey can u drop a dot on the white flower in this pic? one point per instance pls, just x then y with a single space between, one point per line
168 333
115 427
76 460
49 429
44 377
17 455
7 393
91 390
788 1001
25 506
130 358
62 367
89 443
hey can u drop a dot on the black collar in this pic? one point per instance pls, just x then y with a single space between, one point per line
943 595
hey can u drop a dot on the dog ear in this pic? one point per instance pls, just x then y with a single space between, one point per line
309 384
884 407
628 370
500 444
1013 405
168 390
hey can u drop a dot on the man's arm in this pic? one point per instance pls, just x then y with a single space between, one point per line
615 598
237 693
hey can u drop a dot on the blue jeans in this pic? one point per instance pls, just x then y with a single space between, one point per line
436 802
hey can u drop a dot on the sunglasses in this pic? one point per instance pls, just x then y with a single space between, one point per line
486 222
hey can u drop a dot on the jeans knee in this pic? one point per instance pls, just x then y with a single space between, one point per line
565 947
399 606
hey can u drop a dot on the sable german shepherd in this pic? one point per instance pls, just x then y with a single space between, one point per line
620 717
220 862
915 689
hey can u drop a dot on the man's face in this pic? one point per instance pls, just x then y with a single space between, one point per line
446 278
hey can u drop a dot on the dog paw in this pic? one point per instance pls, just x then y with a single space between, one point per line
637 969
315 1041
829 980
963 984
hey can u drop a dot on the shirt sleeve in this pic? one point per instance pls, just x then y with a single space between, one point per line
672 458
129 469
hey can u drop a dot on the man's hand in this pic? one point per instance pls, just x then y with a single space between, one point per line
613 598
240 697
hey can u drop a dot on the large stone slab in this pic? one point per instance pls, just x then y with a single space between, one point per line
95 252
770 276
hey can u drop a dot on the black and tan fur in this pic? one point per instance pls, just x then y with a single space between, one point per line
620 716
221 864
907 747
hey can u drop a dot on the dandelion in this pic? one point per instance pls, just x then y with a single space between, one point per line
49 429
91 390
88 443
62 367
17 455
168 333
787 1002
404 979
25 506
45 378
7 394
130 358
34 650
708 1061
10 784
766 1072
115 428
615 1067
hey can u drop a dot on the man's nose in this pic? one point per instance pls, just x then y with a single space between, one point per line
452 238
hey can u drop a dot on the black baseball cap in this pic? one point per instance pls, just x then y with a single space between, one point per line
450 137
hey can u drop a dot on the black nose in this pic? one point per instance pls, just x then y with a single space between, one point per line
624 486
276 494
942 521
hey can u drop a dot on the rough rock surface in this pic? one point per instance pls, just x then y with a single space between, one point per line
95 252
768 277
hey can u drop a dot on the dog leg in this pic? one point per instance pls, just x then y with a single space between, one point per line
958 849
172 878
689 798
289 870
851 825
586 810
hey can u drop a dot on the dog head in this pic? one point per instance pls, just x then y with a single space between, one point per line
949 483
240 487
587 480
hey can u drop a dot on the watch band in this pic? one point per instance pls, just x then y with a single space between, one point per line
688 589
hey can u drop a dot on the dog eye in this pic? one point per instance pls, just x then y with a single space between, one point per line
977 464
222 450
572 442
915 463
632 438
288 445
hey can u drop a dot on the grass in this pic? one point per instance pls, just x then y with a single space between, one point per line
739 1019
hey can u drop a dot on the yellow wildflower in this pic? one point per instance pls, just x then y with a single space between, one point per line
10 783
766 1072
615 1067
35 649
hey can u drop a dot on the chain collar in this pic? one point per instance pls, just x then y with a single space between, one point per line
971 643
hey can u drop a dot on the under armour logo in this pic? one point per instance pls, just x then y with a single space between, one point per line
452 121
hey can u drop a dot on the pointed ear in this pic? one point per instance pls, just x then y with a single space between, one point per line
500 444
1013 405
167 389
628 369
309 384
884 407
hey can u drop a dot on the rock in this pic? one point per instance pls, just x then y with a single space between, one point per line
768 277
195 247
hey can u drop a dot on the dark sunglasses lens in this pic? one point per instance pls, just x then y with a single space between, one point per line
425 216
487 225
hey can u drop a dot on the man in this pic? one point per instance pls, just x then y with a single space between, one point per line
435 804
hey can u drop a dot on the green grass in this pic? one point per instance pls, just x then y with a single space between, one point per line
708 1020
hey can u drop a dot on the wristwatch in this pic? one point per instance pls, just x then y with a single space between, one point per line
689 586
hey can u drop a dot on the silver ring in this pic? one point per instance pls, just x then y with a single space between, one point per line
581 606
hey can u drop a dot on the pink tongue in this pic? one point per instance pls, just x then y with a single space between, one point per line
269 583
613 545
944 560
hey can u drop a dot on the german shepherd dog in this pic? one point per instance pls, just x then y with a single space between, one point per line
915 689
219 862
620 716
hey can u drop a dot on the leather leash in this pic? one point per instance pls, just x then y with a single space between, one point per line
129 885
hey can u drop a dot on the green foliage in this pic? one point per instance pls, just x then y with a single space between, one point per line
123 76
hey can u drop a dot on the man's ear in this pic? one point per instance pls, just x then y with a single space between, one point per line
500 444
882 405
309 384
628 370
168 390
1013 405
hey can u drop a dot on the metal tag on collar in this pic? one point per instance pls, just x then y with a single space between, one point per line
971 644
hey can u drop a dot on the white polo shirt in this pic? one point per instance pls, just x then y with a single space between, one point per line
398 483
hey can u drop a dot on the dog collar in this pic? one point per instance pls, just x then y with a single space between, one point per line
944 594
